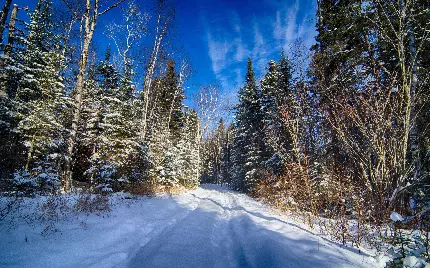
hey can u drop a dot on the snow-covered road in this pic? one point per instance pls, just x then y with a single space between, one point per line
208 227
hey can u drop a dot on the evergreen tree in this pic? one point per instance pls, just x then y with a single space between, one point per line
42 103
277 97
172 137
111 130
11 70
220 136
188 150
284 93
269 88
171 99
90 138
248 144
226 161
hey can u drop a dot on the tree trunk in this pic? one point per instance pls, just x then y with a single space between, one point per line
89 26
89 19
8 47
414 135
3 18
30 153
160 33
11 34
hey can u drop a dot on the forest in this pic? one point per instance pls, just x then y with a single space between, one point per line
337 133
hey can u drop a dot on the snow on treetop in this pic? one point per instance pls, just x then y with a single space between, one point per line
396 216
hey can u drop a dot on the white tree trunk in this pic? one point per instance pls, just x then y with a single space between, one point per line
3 17
89 19
160 33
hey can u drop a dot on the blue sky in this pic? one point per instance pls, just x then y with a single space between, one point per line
219 36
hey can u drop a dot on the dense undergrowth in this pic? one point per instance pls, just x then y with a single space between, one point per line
399 241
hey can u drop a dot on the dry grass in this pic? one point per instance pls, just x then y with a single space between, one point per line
89 203
290 190
150 189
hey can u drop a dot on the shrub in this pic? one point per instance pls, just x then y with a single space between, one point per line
54 209
88 203
290 190
40 180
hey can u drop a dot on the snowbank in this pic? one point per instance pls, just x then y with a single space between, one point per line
208 227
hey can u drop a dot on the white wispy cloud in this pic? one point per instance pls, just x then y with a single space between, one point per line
291 23
277 26
223 53
218 51
226 50
233 39
258 37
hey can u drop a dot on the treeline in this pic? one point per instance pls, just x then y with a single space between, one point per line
70 117
348 137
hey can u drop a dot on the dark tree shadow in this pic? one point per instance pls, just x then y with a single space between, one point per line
204 238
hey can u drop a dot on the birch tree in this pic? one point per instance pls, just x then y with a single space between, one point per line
3 16
93 10
404 38
207 102
163 21
128 34
8 49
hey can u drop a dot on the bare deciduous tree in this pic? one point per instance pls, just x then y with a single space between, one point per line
3 17
127 34
207 103
93 10
163 22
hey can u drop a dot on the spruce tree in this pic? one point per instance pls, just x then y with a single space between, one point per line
111 130
248 132
226 161
12 149
270 94
42 101
166 128
188 149
171 100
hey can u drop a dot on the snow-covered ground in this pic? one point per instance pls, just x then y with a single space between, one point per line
208 227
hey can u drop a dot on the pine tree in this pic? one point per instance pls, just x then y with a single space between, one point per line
158 144
42 103
188 149
171 99
226 161
220 136
169 133
111 130
272 98
284 93
248 132
90 138
11 70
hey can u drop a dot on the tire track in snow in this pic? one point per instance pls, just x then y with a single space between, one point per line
153 230
191 234
226 229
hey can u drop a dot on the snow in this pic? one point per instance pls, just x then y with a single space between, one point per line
412 203
382 260
396 216
208 227
411 261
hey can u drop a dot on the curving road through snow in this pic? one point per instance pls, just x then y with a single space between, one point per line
226 229
208 227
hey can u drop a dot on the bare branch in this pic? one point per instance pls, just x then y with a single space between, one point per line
74 11
111 7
